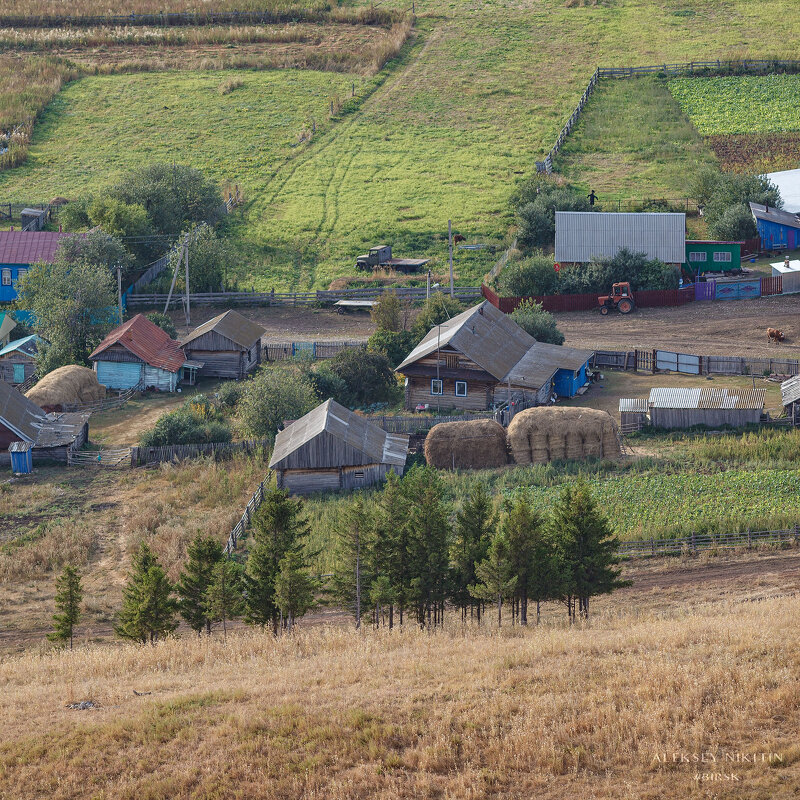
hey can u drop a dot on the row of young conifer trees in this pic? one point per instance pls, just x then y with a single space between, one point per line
404 552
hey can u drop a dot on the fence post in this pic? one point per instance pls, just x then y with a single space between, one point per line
694 544
749 539
652 545
796 533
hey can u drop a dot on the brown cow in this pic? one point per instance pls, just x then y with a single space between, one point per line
774 335
459 238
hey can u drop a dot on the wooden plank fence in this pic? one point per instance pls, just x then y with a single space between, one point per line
697 542
282 351
749 66
421 423
250 509
142 456
136 300
104 405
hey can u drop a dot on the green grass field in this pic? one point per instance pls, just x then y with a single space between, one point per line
462 116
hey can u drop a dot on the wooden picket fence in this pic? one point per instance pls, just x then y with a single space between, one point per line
142 456
240 528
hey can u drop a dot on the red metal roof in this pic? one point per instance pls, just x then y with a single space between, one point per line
28 247
146 341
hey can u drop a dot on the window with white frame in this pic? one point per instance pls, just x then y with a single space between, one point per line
722 257
461 388
697 256
436 387
6 277
20 272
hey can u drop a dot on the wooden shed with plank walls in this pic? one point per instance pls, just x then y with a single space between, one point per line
333 448
229 346
18 359
712 407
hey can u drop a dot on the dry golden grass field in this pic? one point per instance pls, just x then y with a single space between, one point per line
643 702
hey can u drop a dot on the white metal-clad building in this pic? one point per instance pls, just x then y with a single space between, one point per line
582 236
684 408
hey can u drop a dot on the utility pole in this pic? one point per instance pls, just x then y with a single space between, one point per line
428 290
119 291
186 257
450 241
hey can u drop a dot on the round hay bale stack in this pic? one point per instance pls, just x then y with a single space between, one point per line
476 444
543 434
66 386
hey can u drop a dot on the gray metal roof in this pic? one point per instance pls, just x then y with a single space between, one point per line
232 325
61 429
707 398
20 415
483 334
584 235
790 390
771 214
377 446
542 361
636 404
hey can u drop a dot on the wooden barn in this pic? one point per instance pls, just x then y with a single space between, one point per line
715 408
228 345
18 359
140 354
51 435
332 448
481 358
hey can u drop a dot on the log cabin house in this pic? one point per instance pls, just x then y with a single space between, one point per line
228 345
481 359
50 435
332 448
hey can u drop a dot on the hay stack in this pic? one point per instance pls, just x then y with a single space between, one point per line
64 386
544 434
477 444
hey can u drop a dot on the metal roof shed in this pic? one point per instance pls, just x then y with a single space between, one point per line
712 407
585 235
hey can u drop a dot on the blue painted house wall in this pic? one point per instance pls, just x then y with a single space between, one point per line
118 374
9 293
776 235
566 382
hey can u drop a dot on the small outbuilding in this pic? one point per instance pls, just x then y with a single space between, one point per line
710 256
632 413
139 354
333 448
790 396
684 408
18 359
778 229
229 346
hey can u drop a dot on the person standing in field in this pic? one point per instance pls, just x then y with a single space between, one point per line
592 197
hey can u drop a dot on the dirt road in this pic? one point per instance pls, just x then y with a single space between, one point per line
736 327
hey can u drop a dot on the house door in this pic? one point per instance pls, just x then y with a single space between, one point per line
19 373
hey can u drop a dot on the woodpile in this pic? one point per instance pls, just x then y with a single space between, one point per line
66 386
543 434
476 444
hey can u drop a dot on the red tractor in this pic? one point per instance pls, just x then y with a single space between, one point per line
621 298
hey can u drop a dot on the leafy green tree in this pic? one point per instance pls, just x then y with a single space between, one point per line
74 306
536 212
223 597
210 260
276 393
540 324
173 195
587 548
203 554
495 577
438 308
368 377
351 574
327 385
69 594
734 223
74 216
474 526
163 322
394 346
388 313
294 589
99 248
529 277
280 525
118 218
148 607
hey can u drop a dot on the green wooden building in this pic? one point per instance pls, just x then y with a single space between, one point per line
708 256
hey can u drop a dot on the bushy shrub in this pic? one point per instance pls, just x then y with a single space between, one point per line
327 385
368 377
163 322
438 308
735 223
229 393
389 312
534 276
540 324
195 422
395 346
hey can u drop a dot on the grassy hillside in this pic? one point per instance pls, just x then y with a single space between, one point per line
474 104
596 711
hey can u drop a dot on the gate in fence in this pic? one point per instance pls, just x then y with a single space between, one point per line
678 362
704 291
119 457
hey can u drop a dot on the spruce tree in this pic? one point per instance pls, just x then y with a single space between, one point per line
294 589
352 575
148 607
279 526
496 580
203 554
69 593
223 599
587 548
475 524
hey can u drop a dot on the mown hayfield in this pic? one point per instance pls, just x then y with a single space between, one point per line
462 116
639 703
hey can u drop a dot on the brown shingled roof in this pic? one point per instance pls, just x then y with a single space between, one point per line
146 341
